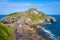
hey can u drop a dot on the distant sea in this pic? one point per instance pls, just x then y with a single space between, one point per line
1 16
52 29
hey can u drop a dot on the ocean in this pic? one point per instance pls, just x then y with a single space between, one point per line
1 16
52 29
55 28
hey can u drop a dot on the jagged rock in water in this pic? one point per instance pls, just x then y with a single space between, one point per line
53 19
50 20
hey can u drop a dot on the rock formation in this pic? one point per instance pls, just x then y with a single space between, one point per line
25 24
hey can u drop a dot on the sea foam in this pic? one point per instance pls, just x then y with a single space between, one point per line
51 35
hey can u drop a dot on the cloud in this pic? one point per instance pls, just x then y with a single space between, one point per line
15 4
7 7
28 4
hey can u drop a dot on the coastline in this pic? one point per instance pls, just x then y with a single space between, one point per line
44 32
47 34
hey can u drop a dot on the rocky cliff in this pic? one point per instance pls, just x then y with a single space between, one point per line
25 24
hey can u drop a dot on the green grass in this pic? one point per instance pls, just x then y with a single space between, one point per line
5 32
15 13
37 17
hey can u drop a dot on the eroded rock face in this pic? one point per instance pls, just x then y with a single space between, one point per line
32 11
28 32
25 28
8 20
50 20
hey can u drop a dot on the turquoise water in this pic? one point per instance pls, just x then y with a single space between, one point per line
52 29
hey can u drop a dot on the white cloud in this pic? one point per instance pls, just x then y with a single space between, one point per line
7 7
28 4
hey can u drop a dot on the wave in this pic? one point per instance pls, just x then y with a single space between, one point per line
51 35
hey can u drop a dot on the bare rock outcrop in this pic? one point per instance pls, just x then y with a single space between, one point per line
28 32
25 24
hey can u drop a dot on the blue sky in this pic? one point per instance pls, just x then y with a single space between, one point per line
50 7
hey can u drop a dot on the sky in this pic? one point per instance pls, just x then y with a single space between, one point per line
50 7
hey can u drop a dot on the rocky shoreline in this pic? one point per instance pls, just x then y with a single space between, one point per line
25 24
